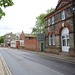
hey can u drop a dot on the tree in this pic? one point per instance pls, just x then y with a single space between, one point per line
40 23
1 39
4 3
34 31
49 10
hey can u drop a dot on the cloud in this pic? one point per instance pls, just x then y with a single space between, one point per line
5 29
22 15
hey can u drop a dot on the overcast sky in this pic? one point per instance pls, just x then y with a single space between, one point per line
22 15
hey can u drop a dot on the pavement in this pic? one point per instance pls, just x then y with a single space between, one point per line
63 56
1 67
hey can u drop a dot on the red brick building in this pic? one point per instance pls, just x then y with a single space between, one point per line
29 41
59 26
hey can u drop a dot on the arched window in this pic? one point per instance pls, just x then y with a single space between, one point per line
49 39
53 39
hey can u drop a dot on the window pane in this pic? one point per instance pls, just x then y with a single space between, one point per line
49 40
68 42
21 42
64 42
53 20
63 37
48 21
53 41
67 36
63 15
8 39
53 37
9 36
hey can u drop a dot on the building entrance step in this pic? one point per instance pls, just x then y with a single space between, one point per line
64 53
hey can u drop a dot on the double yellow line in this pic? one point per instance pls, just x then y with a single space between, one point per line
5 67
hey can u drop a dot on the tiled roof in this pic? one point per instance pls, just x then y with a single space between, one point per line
30 35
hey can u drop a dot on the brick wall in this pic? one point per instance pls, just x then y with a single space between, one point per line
39 45
30 44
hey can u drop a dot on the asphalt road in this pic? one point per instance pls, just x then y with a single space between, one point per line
23 63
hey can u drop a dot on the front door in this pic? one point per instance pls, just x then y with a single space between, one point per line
65 40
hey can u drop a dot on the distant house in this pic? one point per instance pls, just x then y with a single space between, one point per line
29 41
59 26
8 38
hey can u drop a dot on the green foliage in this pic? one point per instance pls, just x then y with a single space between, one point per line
4 3
1 43
50 10
40 23
1 13
1 39
34 30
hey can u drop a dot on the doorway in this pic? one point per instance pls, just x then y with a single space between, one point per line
65 40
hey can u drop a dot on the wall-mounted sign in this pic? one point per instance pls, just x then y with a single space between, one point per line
40 37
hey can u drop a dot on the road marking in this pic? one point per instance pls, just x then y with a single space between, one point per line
5 65
1 68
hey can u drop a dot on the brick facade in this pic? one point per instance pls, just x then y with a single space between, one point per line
39 45
30 42
59 25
